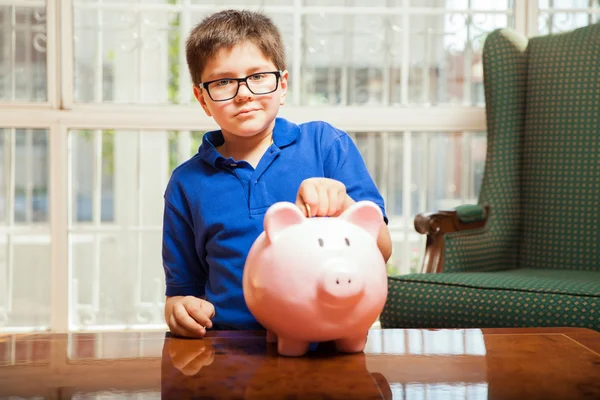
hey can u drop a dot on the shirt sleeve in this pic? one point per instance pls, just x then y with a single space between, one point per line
184 273
345 164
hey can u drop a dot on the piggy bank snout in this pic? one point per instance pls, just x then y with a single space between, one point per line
340 283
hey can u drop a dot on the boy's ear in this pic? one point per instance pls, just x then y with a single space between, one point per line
199 95
284 86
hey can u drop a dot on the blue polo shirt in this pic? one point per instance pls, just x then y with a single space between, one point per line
214 208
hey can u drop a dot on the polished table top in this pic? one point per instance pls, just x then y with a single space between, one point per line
544 363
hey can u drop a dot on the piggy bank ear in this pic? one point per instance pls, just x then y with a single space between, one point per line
365 214
280 216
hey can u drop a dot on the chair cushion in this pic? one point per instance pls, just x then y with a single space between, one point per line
512 298
561 152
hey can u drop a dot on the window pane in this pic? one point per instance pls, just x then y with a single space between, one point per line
563 21
359 59
24 229
245 2
566 4
124 56
31 176
7 149
344 57
445 57
450 170
117 278
137 54
22 53
29 289
445 170
92 157
352 3
24 180
449 4
568 16
117 181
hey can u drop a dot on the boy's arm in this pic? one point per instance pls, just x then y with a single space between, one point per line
184 273
345 164
185 313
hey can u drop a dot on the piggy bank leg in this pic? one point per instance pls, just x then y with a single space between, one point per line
271 337
352 344
292 348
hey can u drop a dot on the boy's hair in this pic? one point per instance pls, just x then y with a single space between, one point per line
227 28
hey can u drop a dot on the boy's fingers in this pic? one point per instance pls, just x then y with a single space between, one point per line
333 194
186 322
323 204
195 310
307 209
176 329
342 203
308 196
209 310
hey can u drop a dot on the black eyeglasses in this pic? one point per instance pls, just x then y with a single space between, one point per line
227 88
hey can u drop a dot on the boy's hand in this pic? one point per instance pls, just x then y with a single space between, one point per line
322 197
188 316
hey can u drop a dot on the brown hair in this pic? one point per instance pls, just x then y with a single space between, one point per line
227 28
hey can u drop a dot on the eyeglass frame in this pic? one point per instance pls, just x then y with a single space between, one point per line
204 85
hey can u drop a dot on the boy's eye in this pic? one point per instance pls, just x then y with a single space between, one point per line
222 82
257 77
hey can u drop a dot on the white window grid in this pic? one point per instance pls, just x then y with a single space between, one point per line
60 114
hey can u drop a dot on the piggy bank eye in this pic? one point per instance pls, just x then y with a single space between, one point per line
347 241
321 242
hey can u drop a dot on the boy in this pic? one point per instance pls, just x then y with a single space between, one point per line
215 202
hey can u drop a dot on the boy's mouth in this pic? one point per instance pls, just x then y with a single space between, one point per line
247 111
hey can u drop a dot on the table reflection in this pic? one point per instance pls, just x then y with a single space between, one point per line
548 363
405 364
396 364
252 369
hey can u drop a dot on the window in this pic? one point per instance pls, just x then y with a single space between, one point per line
96 110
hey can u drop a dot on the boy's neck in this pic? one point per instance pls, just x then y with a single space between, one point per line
249 149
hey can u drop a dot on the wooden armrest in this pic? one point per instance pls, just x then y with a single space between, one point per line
435 226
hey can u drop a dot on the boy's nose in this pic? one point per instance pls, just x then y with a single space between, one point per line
244 92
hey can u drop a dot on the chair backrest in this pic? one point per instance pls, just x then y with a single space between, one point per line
560 177
505 82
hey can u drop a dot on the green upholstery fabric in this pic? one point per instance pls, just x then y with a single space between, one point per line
537 260
561 152
505 82
470 213
521 297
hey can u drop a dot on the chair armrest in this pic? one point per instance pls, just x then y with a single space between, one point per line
436 225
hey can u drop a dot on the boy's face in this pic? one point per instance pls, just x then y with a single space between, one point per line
247 114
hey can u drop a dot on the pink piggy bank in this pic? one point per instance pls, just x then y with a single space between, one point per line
317 279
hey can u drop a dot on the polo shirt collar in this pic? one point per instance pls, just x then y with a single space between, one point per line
284 134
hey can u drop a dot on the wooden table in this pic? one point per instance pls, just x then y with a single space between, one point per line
546 363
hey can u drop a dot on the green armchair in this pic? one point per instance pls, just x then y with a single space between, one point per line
528 254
